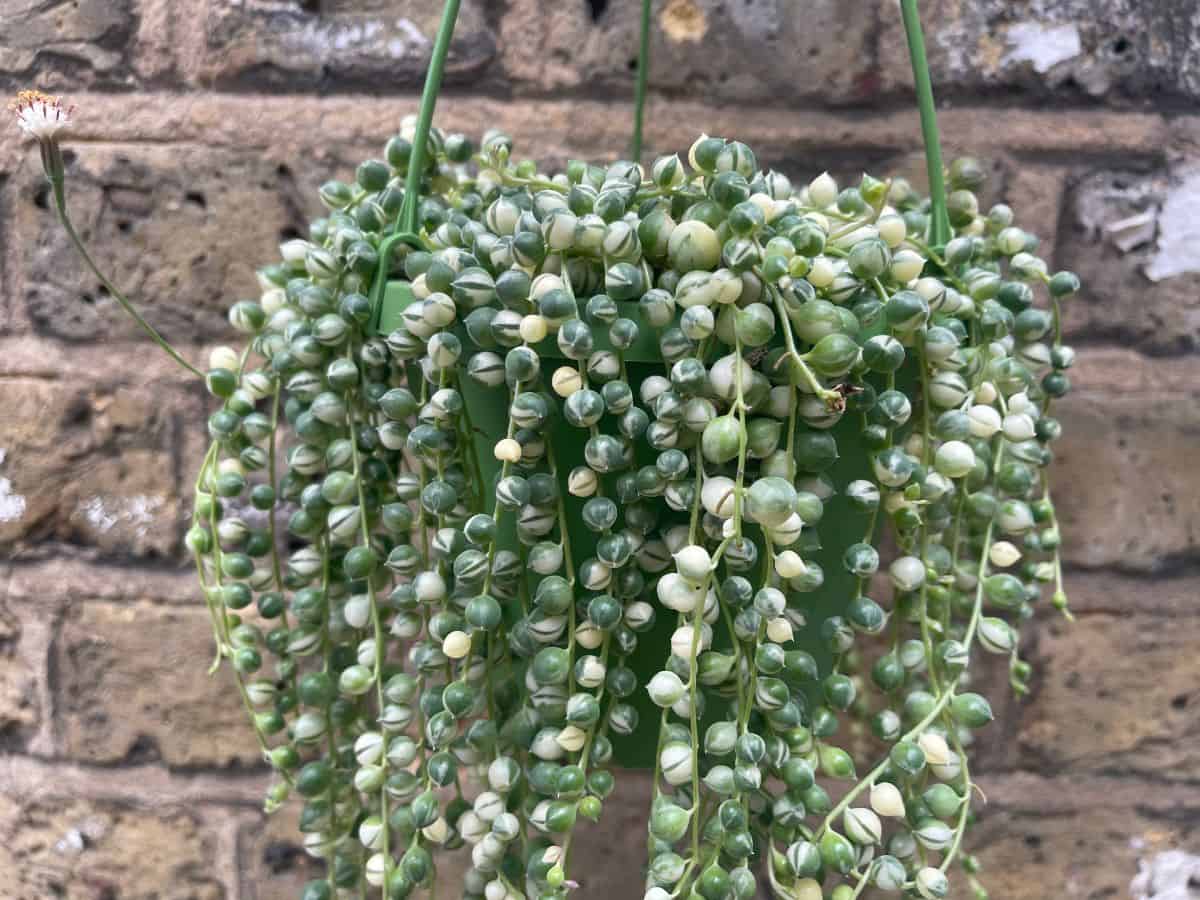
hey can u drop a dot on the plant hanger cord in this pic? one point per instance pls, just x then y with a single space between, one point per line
939 220
405 229
643 75
433 84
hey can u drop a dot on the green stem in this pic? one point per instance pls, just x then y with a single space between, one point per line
376 625
205 488
869 780
777 889
273 480
863 882
934 254
330 737
939 220
60 205
220 618
829 396
510 178
876 210
956 546
960 825
239 679
926 461
984 557
1060 596
743 437
643 75
561 518
693 691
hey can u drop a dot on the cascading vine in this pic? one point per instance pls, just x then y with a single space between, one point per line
458 616
525 418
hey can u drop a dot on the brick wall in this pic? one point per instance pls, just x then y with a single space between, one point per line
204 128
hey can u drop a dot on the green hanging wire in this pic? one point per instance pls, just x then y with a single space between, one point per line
405 230
939 220
433 84
643 75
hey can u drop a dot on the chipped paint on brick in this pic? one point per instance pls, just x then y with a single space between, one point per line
324 39
1042 46
1177 250
137 511
12 504
1166 876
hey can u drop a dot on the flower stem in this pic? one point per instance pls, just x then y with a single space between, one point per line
60 206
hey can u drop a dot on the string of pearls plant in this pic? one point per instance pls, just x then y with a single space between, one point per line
432 688
430 664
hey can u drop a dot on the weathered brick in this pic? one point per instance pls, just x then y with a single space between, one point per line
62 846
150 783
1144 293
160 32
769 52
1118 595
348 43
1123 475
74 577
608 857
132 683
1116 49
1036 192
65 45
126 505
1029 855
179 230
1080 715
1054 650
24 652
91 466
7 313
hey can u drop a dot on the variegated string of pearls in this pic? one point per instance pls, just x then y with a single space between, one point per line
434 685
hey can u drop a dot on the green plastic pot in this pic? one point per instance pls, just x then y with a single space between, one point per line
488 413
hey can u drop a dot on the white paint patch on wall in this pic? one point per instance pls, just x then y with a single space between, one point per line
1178 248
954 41
1166 876
324 39
12 504
1043 46
411 33
80 836
137 511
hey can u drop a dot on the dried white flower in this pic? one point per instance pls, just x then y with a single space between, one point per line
41 115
